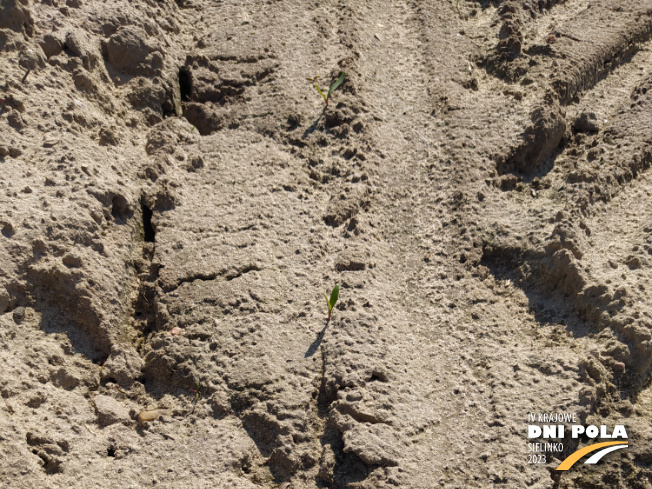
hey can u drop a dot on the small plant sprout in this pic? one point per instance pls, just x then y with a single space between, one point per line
333 86
198 392
331 302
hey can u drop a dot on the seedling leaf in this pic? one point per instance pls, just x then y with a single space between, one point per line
331 302
321 93
334 295
337 83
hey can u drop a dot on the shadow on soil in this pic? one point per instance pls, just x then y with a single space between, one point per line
314 125
550 306
315 344
526 270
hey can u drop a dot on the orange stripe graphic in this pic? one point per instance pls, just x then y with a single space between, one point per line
574 457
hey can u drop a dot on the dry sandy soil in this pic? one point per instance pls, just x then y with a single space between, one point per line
175 197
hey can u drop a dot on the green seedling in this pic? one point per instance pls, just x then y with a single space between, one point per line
197 391
331 302
333 86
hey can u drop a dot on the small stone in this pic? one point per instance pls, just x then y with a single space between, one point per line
350 262
72 260
128 48
633 262
76 42
151 415
586 122
31 60
51 45
65 379
110 411
19 315
619 367
123 366
39 247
